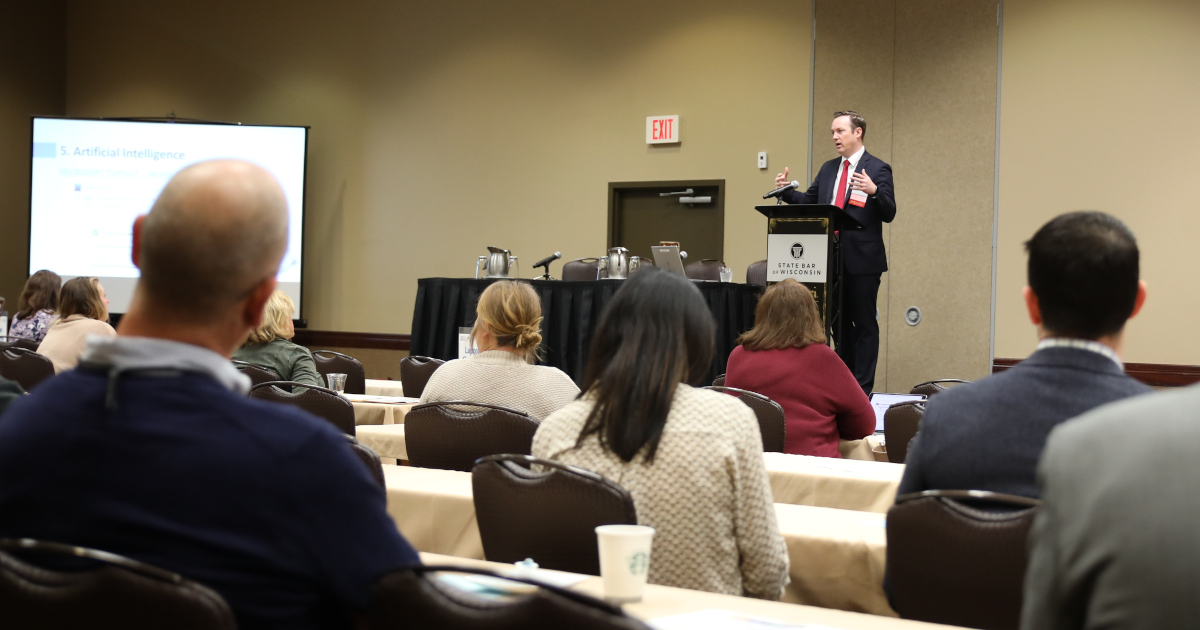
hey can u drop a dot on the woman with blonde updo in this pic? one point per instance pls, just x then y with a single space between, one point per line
507 334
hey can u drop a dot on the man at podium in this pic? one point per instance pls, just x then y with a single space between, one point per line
860 184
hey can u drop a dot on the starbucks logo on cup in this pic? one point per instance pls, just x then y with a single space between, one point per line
797 250
638 562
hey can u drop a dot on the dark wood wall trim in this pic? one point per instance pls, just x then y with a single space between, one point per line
1152 374
335 339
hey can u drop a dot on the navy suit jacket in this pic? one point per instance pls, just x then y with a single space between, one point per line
863 249
989 435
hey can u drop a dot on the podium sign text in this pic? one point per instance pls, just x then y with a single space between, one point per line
802 257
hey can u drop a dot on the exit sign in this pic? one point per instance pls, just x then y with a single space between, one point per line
662 129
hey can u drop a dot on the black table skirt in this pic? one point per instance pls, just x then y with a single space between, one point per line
570 311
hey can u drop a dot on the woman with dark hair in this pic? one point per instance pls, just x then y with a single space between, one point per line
691 458
35 308
82 311
784 357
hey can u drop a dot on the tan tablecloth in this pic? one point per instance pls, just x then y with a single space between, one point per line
385 439
836 556
844 484
380 387
380 413
660 601
868 449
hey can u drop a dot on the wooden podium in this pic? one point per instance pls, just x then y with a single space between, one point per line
803 243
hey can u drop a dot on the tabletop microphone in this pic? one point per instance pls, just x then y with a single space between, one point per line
545 262
779 191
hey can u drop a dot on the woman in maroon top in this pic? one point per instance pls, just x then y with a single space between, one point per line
784 357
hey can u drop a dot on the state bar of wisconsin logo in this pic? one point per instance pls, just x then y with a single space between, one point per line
797 250
638 563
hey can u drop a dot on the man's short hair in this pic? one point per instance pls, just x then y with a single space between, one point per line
856 121
1083 268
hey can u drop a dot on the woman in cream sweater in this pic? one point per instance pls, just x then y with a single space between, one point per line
507 323
82 311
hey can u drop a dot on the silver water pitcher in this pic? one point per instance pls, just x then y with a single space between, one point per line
615 264
499 263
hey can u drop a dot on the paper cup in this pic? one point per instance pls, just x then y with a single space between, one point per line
624 560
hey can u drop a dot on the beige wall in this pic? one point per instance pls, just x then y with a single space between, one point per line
33 61
1098 105
925 80
440 128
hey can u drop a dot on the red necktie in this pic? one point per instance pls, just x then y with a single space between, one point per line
839 199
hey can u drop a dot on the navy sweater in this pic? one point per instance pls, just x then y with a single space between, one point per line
262 502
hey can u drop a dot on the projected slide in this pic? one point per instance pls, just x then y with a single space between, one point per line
91 178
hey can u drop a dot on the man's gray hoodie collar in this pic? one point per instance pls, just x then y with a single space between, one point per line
140 353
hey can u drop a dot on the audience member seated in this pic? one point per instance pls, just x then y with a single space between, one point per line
1114 543
270 345
152 450
9 391
507 320
691 458
35 308
988 435
82 312
784 357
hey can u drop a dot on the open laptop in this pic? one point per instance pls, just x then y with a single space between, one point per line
881 402
667 257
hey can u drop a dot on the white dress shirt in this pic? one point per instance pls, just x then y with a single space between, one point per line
849 173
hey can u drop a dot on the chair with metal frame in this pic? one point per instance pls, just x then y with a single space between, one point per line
330 362
707 269
771 420
550 514
415 372
17 342
581 269
258 374
900 424
929 388
118 593
26 367
319 401
445 435
756 273
958 557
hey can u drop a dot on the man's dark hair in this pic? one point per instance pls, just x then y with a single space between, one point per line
656 333
856 122
1083 268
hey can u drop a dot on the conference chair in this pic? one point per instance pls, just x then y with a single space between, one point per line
958 557
330 362
929 388
257 373
900 423
113 592
447 436
319 401
581 269
417 599
368 457
550 514
415 372
719 381
17 342
707 269
756 273
26 367
771 421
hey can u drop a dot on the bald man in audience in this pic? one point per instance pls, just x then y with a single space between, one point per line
988 435
151 448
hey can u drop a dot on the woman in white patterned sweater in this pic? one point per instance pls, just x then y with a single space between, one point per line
507 322
691 458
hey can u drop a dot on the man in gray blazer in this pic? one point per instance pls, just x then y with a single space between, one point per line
1114 544
988 435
